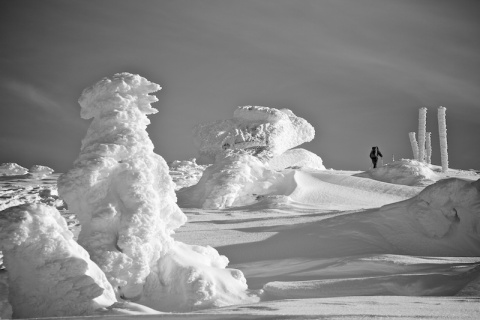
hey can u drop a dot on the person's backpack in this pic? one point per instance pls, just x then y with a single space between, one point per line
373 153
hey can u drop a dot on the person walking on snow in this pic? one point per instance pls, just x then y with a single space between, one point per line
374 154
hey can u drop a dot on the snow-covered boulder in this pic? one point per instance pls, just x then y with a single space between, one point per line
262 131
50 275
124 198
12 169
297 157
185 173
405 171
235 179
40 172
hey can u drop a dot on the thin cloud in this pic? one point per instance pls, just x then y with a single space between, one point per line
36 97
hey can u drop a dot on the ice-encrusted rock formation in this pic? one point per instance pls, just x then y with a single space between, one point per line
297 157
12 169
49 273
124 199
264 132
240 149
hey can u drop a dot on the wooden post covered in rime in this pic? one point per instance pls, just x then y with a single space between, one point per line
442 132
422 128
428 142
413 142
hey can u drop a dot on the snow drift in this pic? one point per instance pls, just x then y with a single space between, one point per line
124 199
405 171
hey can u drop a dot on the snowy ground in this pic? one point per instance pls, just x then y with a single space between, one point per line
327 249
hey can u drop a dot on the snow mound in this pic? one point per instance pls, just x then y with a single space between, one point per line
40 172
49 273
264 132
405 171
185 173
443 219
12 169
235 179
297 158
447 207
124 198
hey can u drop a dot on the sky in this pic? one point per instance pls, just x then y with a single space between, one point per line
357 70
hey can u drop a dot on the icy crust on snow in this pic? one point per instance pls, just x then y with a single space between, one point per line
12 169
299 158
49 273
235 179
405 171
125 201
185 173
262 131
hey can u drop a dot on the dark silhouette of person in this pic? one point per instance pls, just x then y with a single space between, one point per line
374 154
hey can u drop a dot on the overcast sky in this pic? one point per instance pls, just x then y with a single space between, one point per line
357 70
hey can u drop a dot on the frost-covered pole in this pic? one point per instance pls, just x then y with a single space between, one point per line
413 142
442 132
428 142
422 128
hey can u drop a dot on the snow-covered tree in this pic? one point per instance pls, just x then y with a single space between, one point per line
422 128
428 142
442 132
413 142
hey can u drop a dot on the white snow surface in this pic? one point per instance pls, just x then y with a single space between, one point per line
325 255
297 157
263 131
124 198
12 169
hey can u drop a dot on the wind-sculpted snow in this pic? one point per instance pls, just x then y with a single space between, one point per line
12 169
49 273
125 201
263 132
235 179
